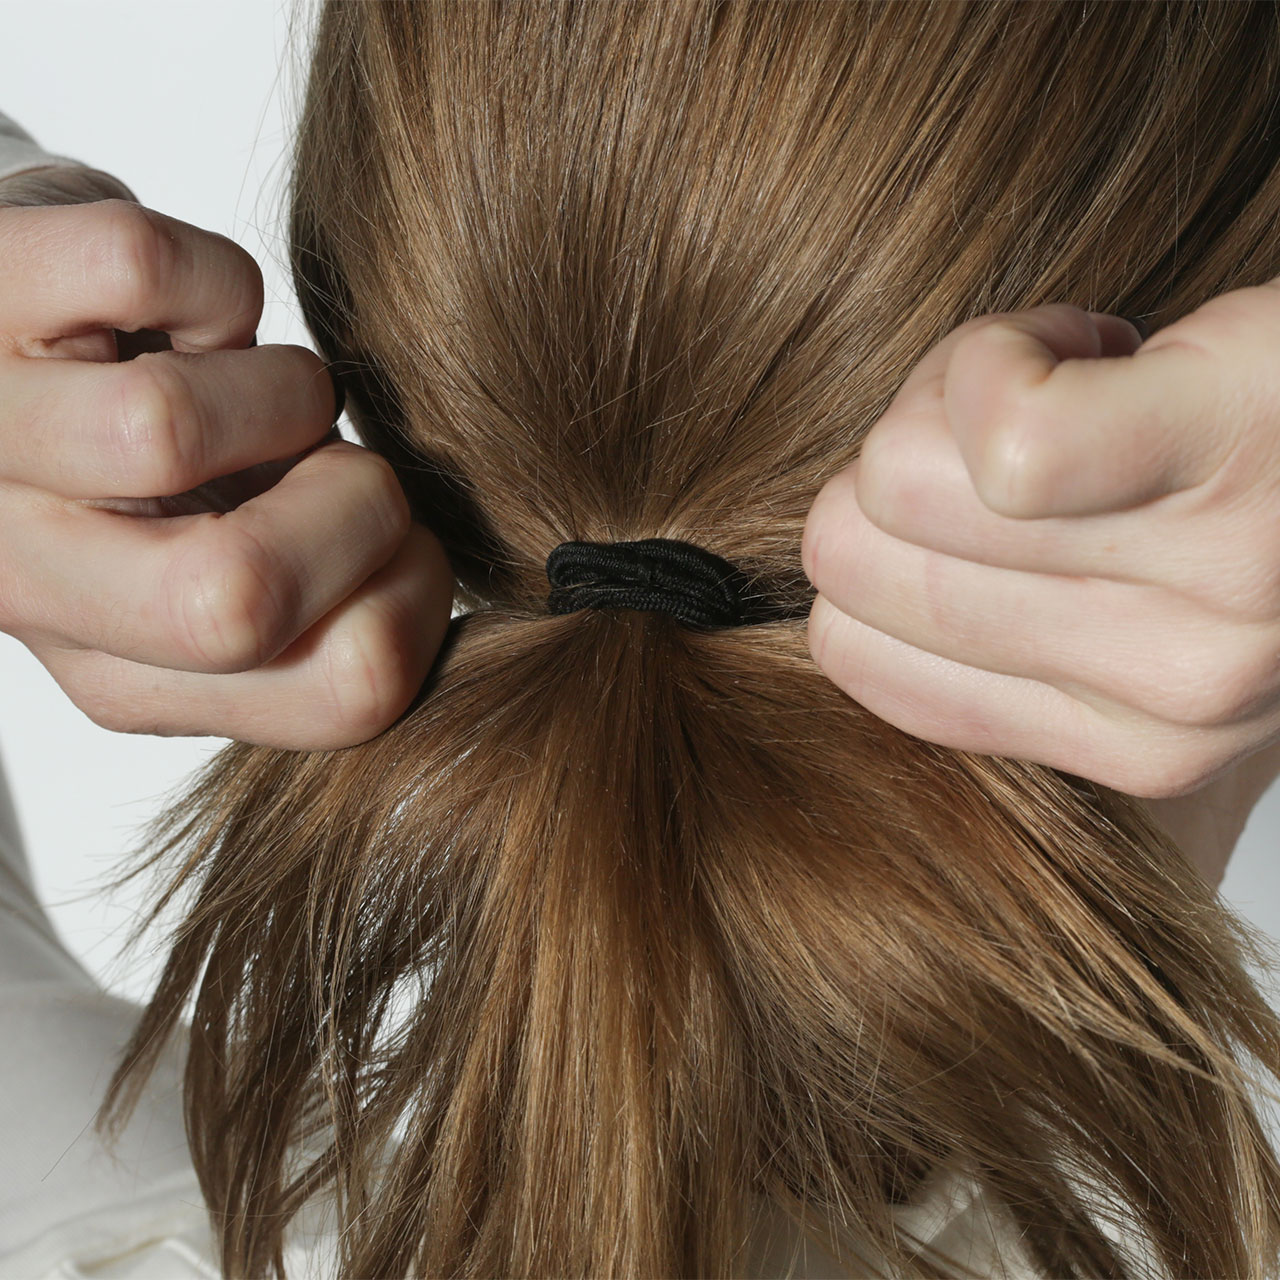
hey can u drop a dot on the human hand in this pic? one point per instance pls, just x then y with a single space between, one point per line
307 615
1060 546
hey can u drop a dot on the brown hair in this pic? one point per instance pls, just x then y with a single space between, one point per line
624 927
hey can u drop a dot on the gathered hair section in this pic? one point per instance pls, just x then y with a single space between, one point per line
627 934
626 929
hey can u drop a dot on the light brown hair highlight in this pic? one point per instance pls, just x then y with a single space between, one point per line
624 929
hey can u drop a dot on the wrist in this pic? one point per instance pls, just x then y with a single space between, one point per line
1206 824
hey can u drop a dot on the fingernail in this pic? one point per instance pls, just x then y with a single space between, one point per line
1143 328
339 395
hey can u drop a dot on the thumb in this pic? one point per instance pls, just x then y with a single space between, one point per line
1058 411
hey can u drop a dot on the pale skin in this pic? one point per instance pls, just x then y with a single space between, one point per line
1056 545
1061 545
307 616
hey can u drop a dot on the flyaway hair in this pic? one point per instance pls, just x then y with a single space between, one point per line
626 929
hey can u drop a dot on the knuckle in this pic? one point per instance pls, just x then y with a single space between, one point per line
227 611
975 337
369 672
22 600
964 333
131 255
887 478
1248 590
153 439
1247 680
1011 478
809 550
313 387
108 711
313 375
1216 687
1239 574
810 537
1180 773
386 495
824 540
822 620
250 289
1011 474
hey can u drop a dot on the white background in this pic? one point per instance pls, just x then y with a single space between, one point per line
192 105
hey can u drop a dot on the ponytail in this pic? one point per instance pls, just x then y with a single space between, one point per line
630 936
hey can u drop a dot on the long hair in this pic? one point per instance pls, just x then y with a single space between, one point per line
625 929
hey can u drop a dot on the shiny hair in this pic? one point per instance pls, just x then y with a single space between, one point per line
623 929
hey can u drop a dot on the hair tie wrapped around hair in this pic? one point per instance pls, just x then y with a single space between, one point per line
690 583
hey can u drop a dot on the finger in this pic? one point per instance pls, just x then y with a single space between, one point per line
1136 647
340 683
1106 336
955 706
911 481
214 592
159 424
1045 432
223 494
115 264
101 344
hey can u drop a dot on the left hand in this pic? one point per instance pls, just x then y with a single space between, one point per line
1060 544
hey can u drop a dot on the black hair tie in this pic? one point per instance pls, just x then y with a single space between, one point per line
686 581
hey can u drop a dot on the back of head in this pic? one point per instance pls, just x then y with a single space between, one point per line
626 927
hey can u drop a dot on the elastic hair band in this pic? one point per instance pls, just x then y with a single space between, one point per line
664 574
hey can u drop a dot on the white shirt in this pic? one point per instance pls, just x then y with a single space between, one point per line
69 1207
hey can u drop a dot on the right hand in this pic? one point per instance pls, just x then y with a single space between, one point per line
305 617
